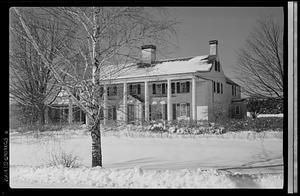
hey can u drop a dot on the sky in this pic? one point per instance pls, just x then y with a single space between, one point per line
229 25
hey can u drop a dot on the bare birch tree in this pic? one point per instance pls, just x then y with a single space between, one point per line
260 62
108 41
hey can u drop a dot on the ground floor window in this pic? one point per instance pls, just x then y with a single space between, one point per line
181 110
158 112
112 113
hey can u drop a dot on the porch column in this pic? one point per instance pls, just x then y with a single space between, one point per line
146 101
125 102
105 109
194 115
169 102
70 114
87 119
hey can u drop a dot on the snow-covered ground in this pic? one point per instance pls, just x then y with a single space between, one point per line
149 162
266 115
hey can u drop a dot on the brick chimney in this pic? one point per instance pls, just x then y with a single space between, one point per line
148 54
213 47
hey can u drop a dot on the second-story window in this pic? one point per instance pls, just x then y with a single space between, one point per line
183 87
159 89
135 89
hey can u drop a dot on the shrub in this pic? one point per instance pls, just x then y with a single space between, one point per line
65 159
250 124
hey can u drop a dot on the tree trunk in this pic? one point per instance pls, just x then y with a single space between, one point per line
42 117
96 144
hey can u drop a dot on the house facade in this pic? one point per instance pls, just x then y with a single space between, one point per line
193 88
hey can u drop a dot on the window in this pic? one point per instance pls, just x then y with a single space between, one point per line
214 86
181 87
221 88
135 89
218 87
159 89
237 110
173 88
181 110
232 90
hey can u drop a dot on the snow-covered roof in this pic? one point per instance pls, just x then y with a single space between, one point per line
165 67
231 82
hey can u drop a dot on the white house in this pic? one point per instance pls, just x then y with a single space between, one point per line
185 88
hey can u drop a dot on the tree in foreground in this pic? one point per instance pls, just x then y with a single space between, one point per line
32 85
108 40
260 62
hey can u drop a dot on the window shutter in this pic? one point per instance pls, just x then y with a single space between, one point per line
153 89
221 88
150 113
188 86
163 88
130 89
188 110
174 111
173 87
178 87
139 89
165 112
